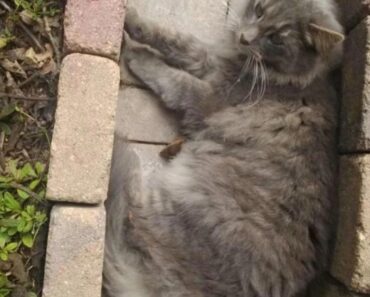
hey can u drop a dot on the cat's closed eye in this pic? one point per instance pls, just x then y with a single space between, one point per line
259 10
276 39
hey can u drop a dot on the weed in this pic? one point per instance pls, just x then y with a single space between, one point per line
37 8
5 285
25 128
22 202
22 191
5 37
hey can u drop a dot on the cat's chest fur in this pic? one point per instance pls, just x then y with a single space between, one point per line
283 114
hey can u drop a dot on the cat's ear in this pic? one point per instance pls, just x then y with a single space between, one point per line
324 39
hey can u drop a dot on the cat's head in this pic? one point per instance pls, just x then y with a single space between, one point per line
295 39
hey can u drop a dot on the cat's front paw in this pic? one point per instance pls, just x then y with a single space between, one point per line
135 57
133 24
130 56
132 49
141 61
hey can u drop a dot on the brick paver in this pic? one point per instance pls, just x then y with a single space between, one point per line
141 117
74 260
355 117
84 127
351 261
351 10
94 27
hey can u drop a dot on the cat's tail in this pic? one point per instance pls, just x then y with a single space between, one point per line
122 275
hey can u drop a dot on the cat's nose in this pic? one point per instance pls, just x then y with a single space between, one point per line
244 40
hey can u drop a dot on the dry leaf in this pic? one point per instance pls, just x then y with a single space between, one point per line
39 26
49 67
30 57
2 83
172 149
3 42
38 60
12 85
13 67
26 17
15 54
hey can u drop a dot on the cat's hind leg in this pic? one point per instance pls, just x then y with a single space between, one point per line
180 51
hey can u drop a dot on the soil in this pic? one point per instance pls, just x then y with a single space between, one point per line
30 55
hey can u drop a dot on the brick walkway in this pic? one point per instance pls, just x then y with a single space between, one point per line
82 147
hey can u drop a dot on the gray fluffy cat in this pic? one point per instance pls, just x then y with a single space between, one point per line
245 208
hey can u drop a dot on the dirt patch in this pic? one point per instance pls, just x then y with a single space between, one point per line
30 55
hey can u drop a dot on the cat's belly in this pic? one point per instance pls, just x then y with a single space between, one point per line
215 205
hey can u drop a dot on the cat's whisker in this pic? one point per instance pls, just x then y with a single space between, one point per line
255 71
263 85
232 23
246 66
260 88
262 82
262 77
255 53
231 27
242 73
254 79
